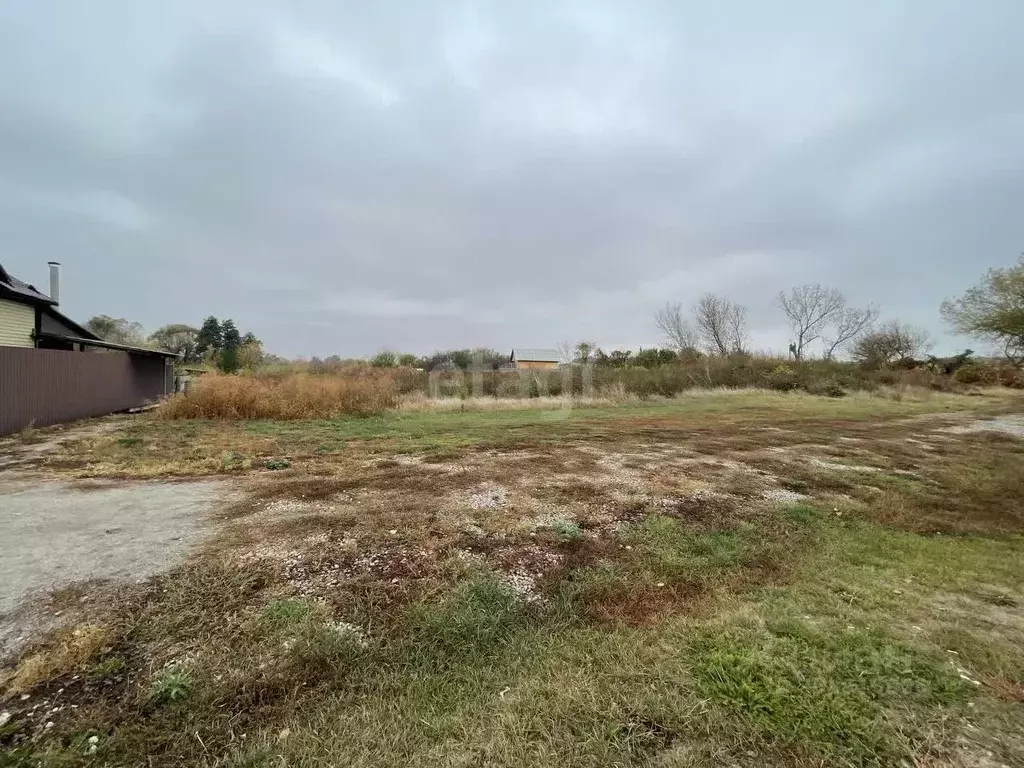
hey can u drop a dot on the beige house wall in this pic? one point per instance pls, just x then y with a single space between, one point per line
17 323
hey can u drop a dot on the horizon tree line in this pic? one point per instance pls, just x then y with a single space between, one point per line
819 317
215 343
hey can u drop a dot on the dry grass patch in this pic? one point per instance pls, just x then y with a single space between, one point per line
66 651
300 396
973 487
420 403
646 605
402 480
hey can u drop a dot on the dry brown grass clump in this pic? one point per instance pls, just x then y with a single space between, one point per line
301 396
69 650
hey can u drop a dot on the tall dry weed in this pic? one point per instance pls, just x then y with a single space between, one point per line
299 396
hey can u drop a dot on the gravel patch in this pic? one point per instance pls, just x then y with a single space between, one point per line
545 520
488 496
836 465
1007 425
407 460
523 585
783 496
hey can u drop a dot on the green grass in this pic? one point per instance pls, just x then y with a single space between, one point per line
855 696
567 531
285 614
170 686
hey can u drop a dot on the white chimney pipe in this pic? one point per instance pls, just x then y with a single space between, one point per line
55 281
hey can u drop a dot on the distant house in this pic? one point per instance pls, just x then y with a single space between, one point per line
46 372
534 359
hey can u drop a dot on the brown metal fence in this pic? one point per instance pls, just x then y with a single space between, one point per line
49 386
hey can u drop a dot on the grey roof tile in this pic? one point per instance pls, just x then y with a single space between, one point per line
20 287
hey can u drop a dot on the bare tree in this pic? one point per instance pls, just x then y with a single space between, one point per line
892 343
721 325
910 341
810 308
676 329
576 352
847 326
567 351
736 323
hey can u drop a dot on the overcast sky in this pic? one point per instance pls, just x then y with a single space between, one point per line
340 177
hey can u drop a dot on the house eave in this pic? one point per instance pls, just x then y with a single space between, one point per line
105 345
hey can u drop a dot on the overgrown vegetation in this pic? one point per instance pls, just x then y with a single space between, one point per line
360 390
215 396
634 585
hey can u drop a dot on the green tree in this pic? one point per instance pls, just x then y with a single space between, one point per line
229 335
210 337
178 338
617 358
229 360
652 358
384 359
464 359
993 310
116 329
584 350
231 342
250 354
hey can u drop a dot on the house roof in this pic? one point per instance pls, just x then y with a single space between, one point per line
19 290
537 355
97 342
83 332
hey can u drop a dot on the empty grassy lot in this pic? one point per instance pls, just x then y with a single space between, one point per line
722 579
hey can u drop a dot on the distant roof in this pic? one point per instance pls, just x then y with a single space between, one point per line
21 290
537 355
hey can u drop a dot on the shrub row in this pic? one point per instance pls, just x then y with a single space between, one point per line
361 390
817 377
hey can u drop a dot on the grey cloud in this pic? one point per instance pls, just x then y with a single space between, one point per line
342 177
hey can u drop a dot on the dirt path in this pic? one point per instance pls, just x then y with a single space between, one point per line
54 534
16 453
